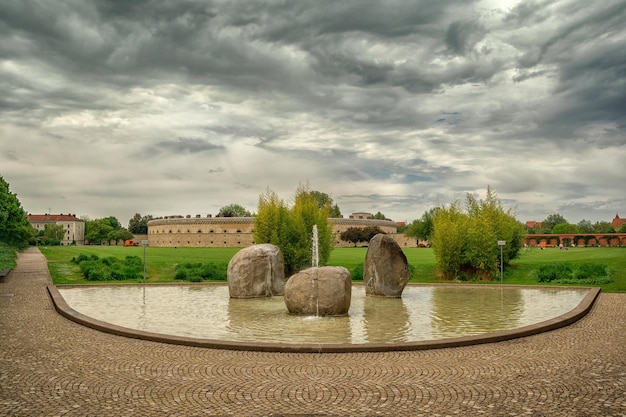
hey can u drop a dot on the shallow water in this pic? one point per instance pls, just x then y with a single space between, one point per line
423 313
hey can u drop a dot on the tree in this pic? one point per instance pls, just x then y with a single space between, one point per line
291 229
551 221
603 227
585 226
335 212
98 231
111 220
233 210
359 234
422 228
466 243
118 235
54 231
138 225
565 228
15 230
379 216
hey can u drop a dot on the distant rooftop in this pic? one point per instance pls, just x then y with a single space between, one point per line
42 218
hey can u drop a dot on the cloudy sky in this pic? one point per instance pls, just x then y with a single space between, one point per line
110 108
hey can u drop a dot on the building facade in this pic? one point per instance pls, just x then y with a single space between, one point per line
188 231
73 226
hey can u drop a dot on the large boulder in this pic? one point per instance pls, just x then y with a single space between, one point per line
256 271
386 270
324 291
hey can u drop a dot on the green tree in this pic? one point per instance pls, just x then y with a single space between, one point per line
603 227
118 235
422 228
335 212
15 230
111 220
54 231
466 243
551 221
585 226
622 229
138 224
564 228
98 231
359 234
379 216
233 210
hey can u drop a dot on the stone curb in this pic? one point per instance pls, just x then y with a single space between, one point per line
563 320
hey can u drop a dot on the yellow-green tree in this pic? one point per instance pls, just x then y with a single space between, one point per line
465 243
291 229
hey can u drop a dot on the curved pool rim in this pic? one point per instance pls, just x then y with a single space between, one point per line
554 323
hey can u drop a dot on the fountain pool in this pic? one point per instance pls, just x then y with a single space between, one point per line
423 313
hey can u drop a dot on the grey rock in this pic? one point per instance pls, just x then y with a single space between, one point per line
256 271
324 291
386 269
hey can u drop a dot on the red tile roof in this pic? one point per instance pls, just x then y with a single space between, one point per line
42 218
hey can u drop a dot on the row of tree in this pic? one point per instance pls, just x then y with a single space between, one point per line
557 224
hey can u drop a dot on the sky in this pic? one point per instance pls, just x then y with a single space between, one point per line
177 107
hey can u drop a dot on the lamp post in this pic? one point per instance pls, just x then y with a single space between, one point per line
144 243
501 243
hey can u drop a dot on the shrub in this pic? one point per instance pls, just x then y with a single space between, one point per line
109 268
8 256
357 272
582 274
553 272
590 270
82 257
196 272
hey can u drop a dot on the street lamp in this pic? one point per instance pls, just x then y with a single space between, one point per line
144 243
501 243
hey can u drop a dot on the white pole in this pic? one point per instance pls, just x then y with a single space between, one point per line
501 243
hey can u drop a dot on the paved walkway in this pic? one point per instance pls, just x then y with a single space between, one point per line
50 366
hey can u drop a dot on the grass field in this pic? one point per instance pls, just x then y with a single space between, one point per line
161 262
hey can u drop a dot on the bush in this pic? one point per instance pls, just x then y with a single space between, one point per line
357 273
582 274
8 256
554 272
197 272
109 268
590 270
82 257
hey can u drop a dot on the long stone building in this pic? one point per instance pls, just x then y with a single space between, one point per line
198 231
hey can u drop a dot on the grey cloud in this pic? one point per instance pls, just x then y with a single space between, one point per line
191 145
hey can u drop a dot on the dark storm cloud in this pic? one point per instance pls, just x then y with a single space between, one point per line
191 145
421 99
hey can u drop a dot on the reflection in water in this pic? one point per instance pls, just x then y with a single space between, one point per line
455 310
423 313
263 319
385 319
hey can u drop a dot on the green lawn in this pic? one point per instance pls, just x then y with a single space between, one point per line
162 261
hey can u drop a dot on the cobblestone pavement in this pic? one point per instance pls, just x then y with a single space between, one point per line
50 366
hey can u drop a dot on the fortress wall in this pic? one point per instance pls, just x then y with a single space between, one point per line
238 231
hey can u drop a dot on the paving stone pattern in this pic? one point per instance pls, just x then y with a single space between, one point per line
50 366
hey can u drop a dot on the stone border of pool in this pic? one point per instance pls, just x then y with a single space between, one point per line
563 320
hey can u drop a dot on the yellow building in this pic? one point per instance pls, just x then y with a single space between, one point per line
223 232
